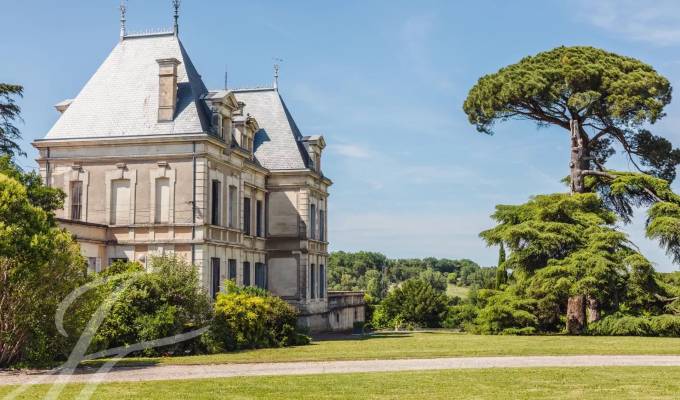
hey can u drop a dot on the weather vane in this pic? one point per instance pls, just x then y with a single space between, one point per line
176 4
277 67
123 11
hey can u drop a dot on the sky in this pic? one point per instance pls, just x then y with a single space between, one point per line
383 81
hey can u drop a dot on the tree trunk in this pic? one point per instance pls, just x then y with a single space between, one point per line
579 158
593 310
576 315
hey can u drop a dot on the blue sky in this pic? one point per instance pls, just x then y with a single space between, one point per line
383 81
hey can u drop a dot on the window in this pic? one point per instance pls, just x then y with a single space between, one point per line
312 282
261 275
215 263
246 273
246 216
312 221
215 204
322 225
232 270
233 206
120 202
113 260
92 265
322 281
162 201
226 128
258 217
76 200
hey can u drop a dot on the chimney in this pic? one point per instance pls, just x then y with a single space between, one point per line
167 89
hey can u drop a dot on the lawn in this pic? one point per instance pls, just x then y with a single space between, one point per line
436 344
546 383
457 291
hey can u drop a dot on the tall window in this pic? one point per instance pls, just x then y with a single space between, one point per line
322 281
261 275
322 225
233 206
246 216
232 270
120 202
312 221
215 203
258 216
76 200
312 281
215 264
162 201
246 273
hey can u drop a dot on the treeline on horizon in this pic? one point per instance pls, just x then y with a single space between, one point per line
374 272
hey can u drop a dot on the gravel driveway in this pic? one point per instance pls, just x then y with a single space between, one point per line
172 372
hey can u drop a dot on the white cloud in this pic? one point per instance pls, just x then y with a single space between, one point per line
656 22
350 150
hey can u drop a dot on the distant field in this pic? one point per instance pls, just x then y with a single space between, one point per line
620 383
435 344
458 291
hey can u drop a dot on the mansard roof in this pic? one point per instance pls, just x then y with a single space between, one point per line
278 143
121 98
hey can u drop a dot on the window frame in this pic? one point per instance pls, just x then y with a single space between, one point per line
76 189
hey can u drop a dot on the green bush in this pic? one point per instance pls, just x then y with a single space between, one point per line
167 300
459 316
616 325
416 303
247 318
504 313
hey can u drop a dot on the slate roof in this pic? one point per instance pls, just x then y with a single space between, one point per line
278 143
121 98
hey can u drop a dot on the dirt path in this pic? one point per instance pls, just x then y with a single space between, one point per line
172 372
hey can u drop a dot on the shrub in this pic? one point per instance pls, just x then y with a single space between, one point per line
40 264
416 303
247 318
459 316
504 313
618 325
166 301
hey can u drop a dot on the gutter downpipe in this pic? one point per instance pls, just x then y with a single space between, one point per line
193 205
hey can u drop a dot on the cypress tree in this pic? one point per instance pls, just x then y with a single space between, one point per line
501 274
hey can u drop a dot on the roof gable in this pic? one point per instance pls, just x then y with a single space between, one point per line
277 143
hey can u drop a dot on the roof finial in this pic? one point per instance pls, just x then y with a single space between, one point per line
123 11
175 4
277 67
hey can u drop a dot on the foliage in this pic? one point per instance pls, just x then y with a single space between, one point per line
374 273
9 112
252 318
415 303
166 300
626 325
39 265
505 313
460 316
501 273
610 96
434 278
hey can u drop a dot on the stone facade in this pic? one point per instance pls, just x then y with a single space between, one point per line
153 163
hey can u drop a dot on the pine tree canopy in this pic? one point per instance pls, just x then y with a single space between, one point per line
610 97
9 113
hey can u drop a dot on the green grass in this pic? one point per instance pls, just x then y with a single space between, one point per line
436 344
457 291
620 383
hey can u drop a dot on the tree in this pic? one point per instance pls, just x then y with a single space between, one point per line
602 99
39 265
501 273
9 112
434 278
415 302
